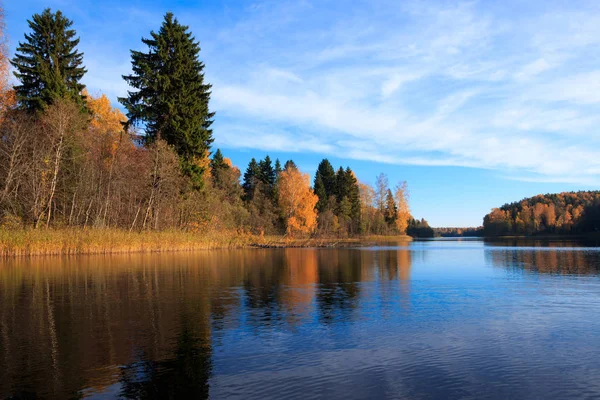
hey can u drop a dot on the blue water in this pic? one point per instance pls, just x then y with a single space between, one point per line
421 320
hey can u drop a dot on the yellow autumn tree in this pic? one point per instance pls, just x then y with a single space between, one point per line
298 201
105 129
104 116
403 210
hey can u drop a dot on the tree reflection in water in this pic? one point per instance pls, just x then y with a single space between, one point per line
146 326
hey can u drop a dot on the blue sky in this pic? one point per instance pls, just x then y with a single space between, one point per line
474 104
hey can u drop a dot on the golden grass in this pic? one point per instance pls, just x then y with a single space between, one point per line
30 242
43 242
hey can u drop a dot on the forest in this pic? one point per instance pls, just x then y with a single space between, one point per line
458 232
562 213
71 159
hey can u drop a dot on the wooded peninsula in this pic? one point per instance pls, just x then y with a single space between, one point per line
77 175
571 213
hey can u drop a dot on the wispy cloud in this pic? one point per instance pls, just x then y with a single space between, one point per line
506 86
443 84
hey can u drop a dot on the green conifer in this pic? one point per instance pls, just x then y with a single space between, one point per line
48 64
324 184
250 179
171 98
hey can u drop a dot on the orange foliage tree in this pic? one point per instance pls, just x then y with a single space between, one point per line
297 201
403 213
104 116
106 127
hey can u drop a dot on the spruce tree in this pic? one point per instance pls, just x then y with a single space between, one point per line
250 179
319 189
278 168
48 64
218 161
268 177
328 176
289 164
171 98
267 173
340 185
353 193
324 184
390 210
217 167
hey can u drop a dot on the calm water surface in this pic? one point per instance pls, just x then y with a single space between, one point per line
435 319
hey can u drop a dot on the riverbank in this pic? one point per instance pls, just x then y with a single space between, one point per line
45 242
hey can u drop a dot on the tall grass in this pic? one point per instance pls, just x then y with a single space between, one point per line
72 241
29 242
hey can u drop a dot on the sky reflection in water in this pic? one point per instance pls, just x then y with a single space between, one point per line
432 319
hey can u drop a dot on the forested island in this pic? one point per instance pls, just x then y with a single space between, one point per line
70 161
563 213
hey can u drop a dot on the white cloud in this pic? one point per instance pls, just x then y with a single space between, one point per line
532 69
455 85
498 86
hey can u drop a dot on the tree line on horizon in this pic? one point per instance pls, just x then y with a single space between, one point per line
458 231
70 158
562 213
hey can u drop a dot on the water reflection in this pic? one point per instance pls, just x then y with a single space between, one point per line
553 257
433 319
142 326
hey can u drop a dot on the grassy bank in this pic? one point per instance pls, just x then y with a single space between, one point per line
40 242
32 242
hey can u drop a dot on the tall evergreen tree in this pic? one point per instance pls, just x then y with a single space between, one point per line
390 209
278 168
217 166
218 161
171 97
340 189
267 172
250 179
324 184
327 175
353 193
48 64
319 189
289 164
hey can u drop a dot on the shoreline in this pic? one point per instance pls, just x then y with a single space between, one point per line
71 242
579 236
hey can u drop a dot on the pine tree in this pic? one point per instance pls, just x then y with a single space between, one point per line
171 97
48 64
218 161
290 164
267 173
327 175
278 168
217 167
324 184
353 194
250 179
319 188
278 171
340 185
390 210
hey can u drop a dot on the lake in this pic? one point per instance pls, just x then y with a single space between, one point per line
428 319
